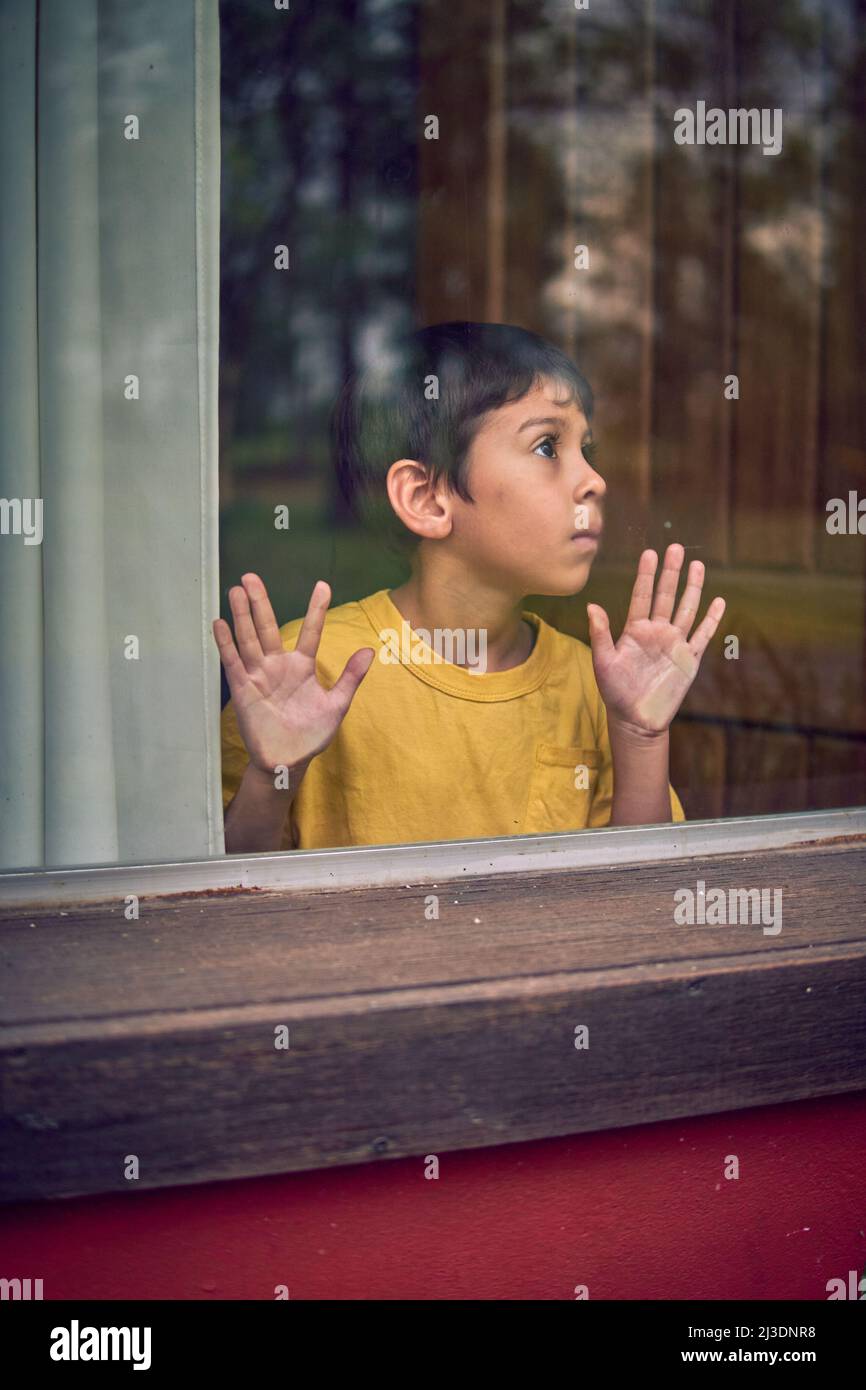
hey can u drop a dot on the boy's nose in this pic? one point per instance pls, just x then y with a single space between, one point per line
591 486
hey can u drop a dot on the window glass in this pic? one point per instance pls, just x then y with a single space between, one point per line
672 194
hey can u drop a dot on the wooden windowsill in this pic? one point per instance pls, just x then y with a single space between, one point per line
410 1035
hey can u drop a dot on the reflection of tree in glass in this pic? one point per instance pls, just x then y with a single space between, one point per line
318 129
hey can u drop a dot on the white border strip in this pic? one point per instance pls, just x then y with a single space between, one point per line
208 135
372 866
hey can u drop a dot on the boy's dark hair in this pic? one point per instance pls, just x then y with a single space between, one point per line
426 401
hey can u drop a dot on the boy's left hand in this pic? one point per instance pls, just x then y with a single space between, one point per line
643 678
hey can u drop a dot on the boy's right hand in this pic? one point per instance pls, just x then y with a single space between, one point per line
284 715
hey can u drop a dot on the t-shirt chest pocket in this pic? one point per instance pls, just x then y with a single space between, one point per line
561 788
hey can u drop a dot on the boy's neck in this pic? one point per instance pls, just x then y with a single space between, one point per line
457 603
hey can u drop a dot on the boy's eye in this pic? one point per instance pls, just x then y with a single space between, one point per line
589 449
548 439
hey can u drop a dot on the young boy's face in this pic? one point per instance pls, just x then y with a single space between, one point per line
534 489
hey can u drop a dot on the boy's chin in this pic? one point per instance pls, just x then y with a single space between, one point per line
565 586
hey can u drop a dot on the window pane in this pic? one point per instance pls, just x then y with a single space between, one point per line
673 194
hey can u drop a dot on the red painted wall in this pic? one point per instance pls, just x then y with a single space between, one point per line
634 1213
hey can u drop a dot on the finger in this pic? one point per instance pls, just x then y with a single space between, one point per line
234 668
642 591
666 590
245 629
706 630
314 619
599 630
263 614
343 690
691 599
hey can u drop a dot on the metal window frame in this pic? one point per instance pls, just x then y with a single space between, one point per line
372 866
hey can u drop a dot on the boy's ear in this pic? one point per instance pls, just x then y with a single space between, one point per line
423 507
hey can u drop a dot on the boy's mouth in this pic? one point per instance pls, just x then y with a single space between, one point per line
590 536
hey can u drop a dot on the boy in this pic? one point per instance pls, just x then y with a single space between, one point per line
351 727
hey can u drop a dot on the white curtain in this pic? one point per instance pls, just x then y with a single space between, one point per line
109 280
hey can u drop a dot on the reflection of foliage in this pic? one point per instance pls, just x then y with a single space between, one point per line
318 130
705 259
626 79
320 133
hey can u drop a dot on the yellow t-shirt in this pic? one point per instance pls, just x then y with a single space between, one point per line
433 751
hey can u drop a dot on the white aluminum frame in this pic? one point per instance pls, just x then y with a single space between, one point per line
371 866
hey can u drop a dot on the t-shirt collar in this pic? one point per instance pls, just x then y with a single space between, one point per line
397 642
